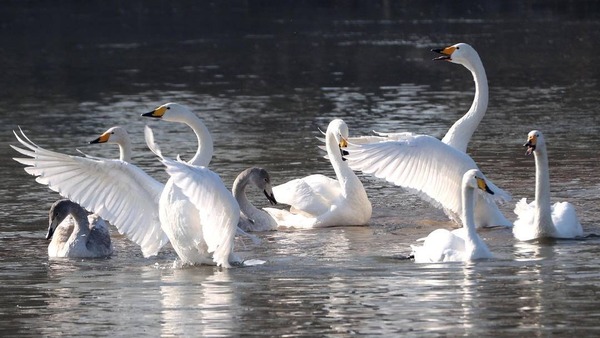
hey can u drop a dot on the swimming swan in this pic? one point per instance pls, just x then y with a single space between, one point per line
116 190
252 218
208 238
320 201
427 166
76 234
540 219
462 244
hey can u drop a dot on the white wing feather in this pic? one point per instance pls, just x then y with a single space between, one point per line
117 191
311 195
420 163
219 211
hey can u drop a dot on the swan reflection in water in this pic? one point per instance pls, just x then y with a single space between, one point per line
197 302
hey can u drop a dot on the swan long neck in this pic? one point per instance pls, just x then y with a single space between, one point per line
239 193
125 150
205 143
468 197
459 135
543 206
343 173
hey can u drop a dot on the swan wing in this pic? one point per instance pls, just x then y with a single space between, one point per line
117 191
420 163
99 241
312 195
218 210
565 220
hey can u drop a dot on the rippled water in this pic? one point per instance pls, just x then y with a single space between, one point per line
264 78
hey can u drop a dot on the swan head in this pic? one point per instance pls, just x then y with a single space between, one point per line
172 112
535 139
116 135
58 212
460 53
260 178
475 179
339 130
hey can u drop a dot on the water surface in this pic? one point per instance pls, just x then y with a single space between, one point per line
264 78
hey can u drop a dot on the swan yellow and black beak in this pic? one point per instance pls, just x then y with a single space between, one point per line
446 53
102 139
343 144
156 113
531 142
481 184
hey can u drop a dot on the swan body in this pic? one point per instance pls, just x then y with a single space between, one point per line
541 219
320 201
252 218
429 167
76 234
462 244
115 190
459 135
208 236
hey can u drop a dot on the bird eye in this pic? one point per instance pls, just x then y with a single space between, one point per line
168 107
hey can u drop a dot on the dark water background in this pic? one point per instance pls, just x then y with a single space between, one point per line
264 75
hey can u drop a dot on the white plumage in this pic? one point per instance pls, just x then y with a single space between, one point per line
115 190
540 218
462 244
430 167
209 236
320 201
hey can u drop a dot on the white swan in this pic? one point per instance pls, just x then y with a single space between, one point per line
252 218
541 219
208 237
118 191
319 201
462 244
430 167
76 234
459 135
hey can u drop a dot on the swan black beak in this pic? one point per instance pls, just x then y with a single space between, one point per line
270 197
483 186
50 232
151 114
343 144
530 148
157 113
446 53
102 139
